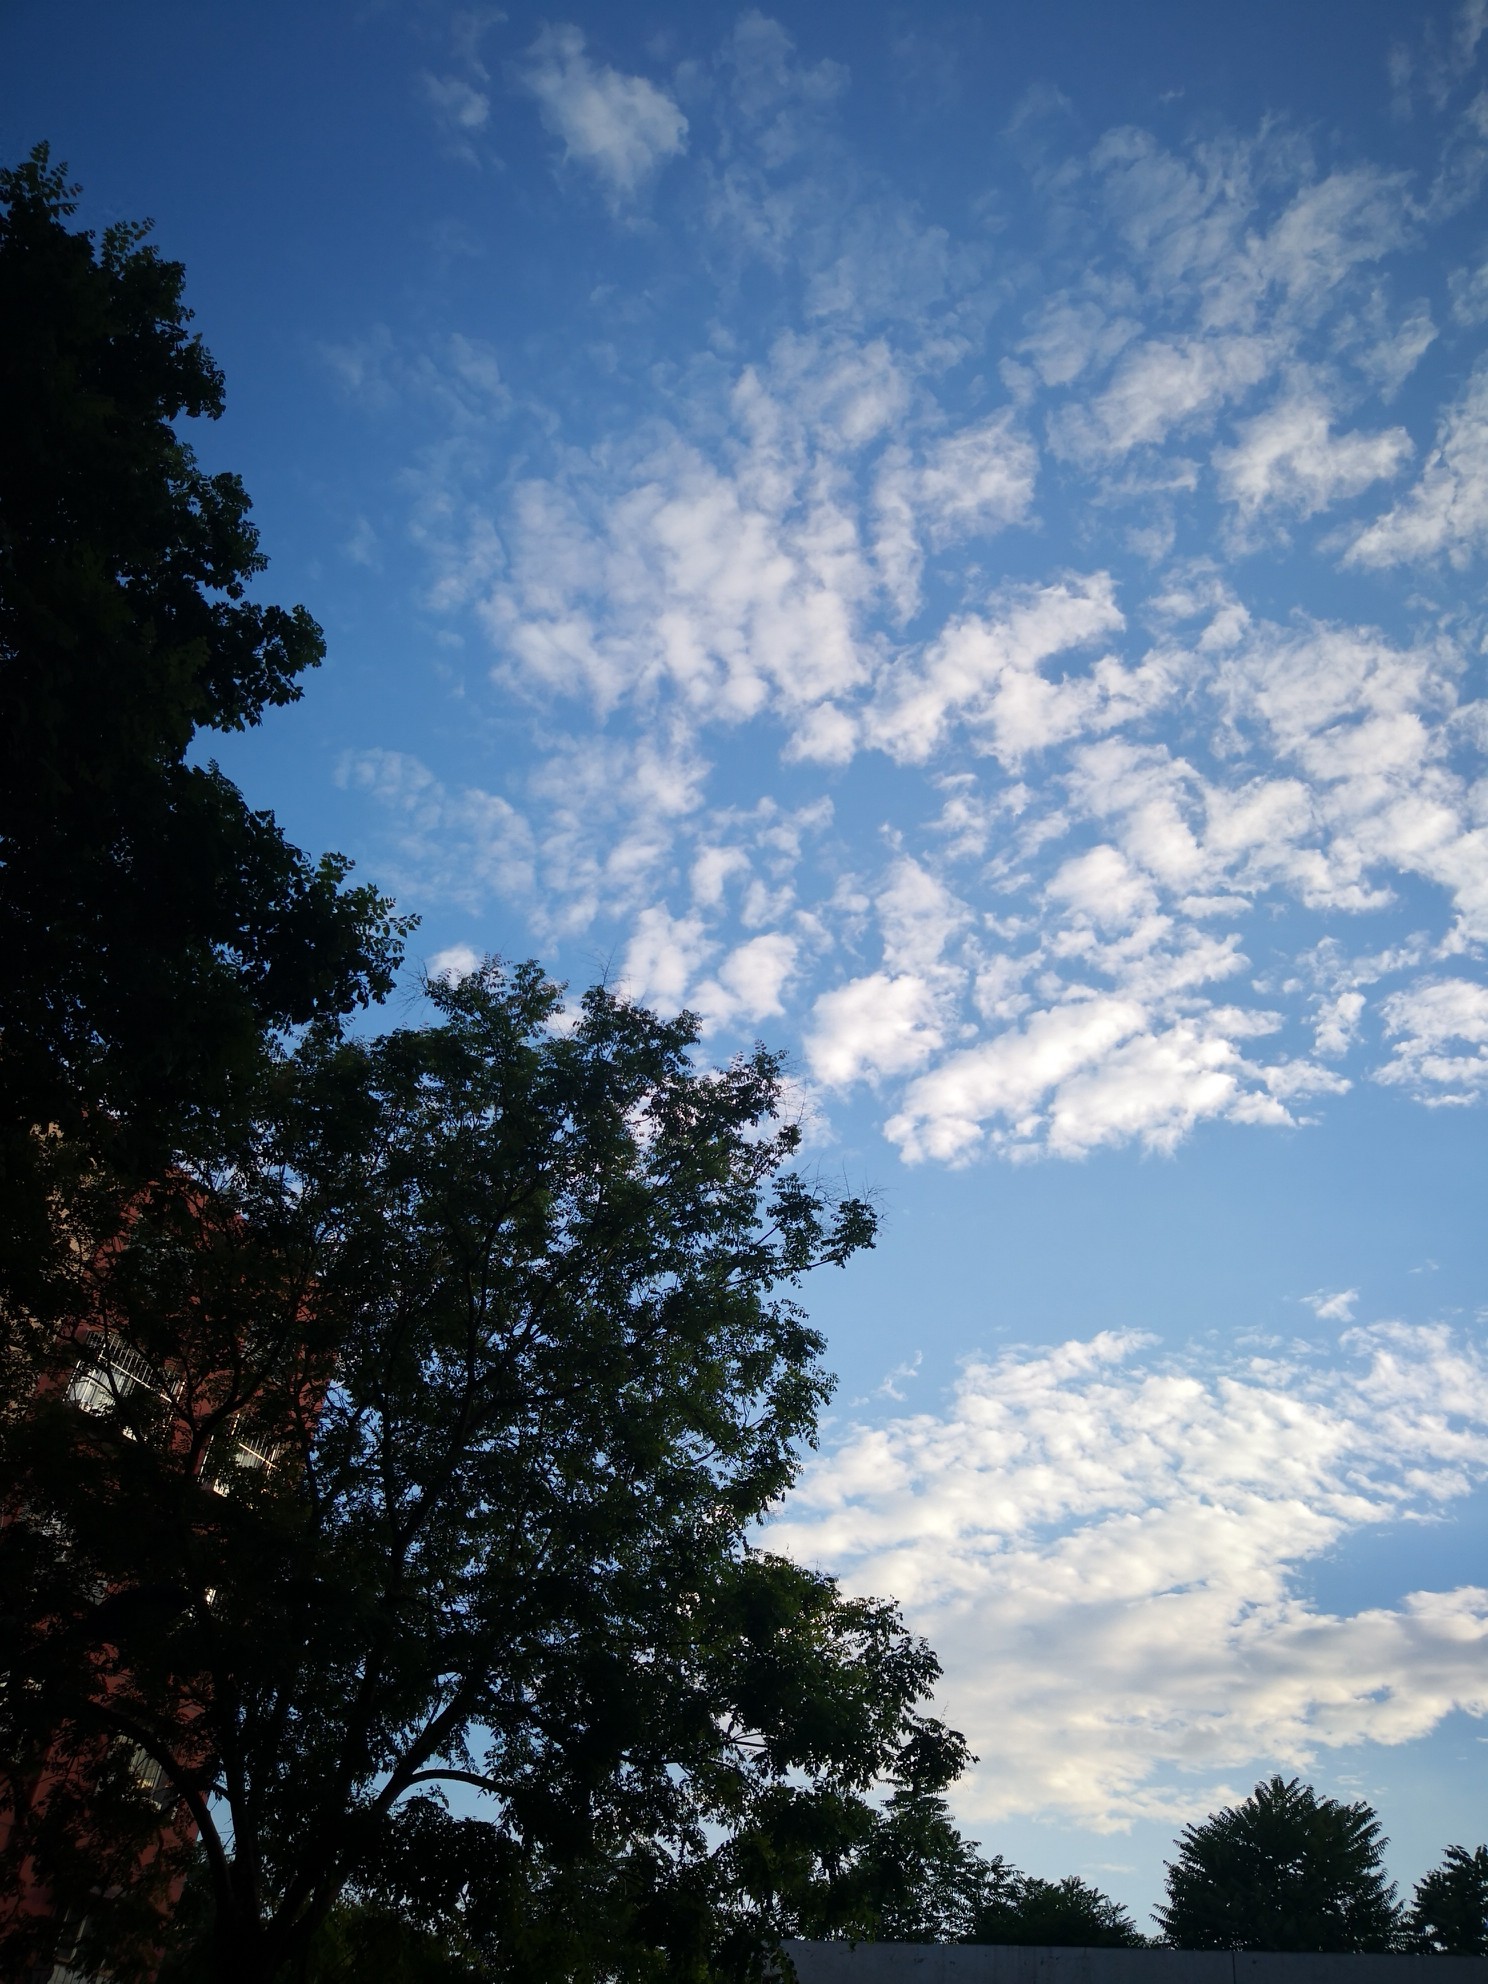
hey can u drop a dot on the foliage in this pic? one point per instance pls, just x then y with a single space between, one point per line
1069 1914
1449 1912
1285 1870
153 924
504 1302
920 1880
906 1874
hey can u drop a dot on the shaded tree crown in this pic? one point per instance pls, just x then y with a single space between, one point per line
1449 1911
153 923
1287 1869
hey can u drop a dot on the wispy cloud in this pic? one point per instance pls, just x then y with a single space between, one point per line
1333 1307
1445 515
621 127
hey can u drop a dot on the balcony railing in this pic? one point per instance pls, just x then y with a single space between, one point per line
109 1370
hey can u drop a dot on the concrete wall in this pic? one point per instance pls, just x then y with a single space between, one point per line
988 1963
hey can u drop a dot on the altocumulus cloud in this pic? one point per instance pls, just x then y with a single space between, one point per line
1003 566
622 127
1108 1550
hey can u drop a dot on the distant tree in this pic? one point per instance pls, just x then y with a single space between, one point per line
919 1880
906 1874
1067 1914
1449 1912
424 1451
153 924
1285 1870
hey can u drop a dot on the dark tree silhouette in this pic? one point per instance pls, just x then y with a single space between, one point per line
477 1363
153 924
1055 1914
1285 1870
1449 1912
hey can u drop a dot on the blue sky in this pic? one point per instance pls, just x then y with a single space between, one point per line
950 540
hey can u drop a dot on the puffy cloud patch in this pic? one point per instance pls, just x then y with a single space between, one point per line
455 962
749 982
466 844
689 582
1289 459
823 539
1446 514
1109 1551
1441 1032
977 479
1089 1071
1160 386
880 1025
662 958
1334 1307
622 127
986 672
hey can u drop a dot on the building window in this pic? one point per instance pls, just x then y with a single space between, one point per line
108 1371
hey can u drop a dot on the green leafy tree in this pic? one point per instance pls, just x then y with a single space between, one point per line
488 1333
918 1879
1285 1870
153 924
1070 1914
905 1874
1449 1912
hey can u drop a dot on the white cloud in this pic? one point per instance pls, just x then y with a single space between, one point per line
1431 67
713 868
1446 514
876 1026
1108 1551
1351 217
1073 333
918 915
1337 1024
663 957
460 106
459 98
1392 358
773 91
622 126
1441 1031
986 671
849 393
717 587
1288 458
1159 386
749 982
1180 218
461 845
1102 806
1334 1307
455 962
1009 1077
977 479
1468 289
1104 887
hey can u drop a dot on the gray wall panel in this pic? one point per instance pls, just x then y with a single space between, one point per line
985 1963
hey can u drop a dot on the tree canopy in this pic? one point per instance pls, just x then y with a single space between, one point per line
1286 1869
1449 1911
462 1385
908 1875
153 924
1064 1914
